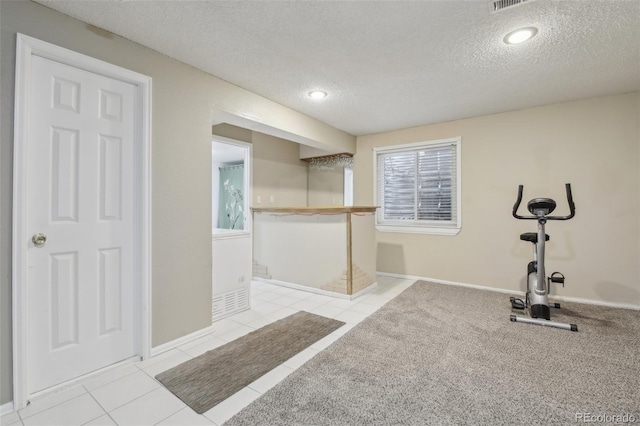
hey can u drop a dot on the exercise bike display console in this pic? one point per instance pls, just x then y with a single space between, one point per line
538 284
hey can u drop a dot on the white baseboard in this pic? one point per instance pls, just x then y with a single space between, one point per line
364 290
514 292
597 302
6 408
181 341
455 283
208 330
316 290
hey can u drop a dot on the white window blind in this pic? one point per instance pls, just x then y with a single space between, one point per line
418 185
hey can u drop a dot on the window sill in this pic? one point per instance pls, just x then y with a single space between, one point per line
221 234
418 230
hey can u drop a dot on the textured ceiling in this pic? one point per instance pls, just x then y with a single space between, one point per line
390 64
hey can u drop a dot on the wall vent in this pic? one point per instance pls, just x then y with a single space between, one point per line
498 5
229 303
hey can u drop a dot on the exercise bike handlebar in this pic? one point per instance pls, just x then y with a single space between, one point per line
572 206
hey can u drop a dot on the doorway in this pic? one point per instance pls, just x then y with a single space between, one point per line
81 223
231 239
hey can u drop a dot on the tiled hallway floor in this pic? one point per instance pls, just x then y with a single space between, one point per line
130 395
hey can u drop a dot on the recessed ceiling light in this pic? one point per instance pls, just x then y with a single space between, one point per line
520 35
317 94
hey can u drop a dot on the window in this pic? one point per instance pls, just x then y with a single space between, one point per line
418 187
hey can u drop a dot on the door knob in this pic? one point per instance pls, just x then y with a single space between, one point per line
39 239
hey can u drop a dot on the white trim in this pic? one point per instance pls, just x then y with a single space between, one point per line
516 292
454 283
596 302
53 389
230 235
19 234
317 290
414 145
26 47
6 408
418 230
157 350
347 187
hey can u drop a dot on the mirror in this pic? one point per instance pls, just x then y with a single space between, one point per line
230 186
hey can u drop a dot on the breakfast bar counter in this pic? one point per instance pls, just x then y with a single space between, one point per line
329 250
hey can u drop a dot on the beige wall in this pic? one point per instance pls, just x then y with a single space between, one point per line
183 101
309 151
593 144
326 187
278 172
277 169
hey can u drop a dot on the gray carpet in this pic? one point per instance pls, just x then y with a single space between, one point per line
440 354
212 377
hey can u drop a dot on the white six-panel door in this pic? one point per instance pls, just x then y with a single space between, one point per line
81 294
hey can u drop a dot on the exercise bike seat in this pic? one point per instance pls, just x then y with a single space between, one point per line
532 237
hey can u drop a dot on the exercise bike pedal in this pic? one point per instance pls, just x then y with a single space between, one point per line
558 279
517 303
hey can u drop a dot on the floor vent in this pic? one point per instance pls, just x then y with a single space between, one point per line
229 303
499 5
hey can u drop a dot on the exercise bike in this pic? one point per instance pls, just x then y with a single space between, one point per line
538 286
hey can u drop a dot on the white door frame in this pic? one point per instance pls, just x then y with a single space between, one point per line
26 47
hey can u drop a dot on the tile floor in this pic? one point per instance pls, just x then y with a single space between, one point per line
130 395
